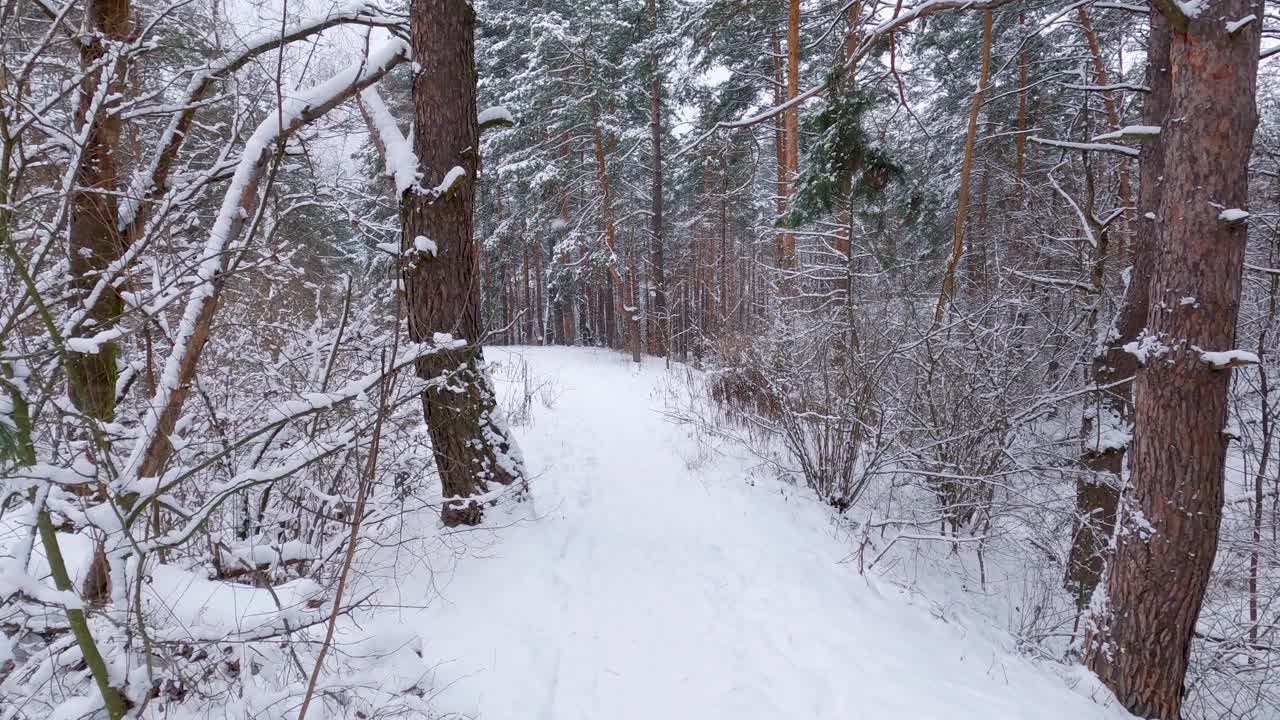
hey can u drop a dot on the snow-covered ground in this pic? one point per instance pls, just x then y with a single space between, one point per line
649 579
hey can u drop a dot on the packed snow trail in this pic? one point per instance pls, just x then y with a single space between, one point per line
657 583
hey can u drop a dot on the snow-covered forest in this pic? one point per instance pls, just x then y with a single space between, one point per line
572 359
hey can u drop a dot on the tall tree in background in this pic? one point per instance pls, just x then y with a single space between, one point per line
791 122
1173 508
660 325
442 278
966 171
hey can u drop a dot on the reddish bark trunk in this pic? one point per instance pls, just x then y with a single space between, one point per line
1124 191
1098 494
966 169
1172 512
786 242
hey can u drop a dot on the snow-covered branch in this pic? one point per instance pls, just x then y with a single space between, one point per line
397 153
152 449
1087 147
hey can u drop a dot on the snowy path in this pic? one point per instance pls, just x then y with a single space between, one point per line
648 589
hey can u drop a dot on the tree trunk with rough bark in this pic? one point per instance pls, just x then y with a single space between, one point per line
473 451
785 250
791 120
1172 510
94 240
1108 422
1020 139
659 325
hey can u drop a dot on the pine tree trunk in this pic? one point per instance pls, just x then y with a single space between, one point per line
472 448
966 170
1020 140
94 240
538 307
1098 494
624 306
1173 507
785 249
843 285
528 307
791 121
660 324
1124 190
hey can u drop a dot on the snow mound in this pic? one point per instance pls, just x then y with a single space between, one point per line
647 579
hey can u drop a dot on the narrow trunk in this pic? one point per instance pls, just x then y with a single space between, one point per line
1124 191
786 242
624 305
1173 506
791 120
659 323
537 291
527 301
791 117
844 237
1259 481
472 448
1108 421
724 245
966 169
1020 140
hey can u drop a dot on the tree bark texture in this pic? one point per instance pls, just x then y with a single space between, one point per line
94 240
966 172
1172 510
473 451
659 324
1098 494
786 248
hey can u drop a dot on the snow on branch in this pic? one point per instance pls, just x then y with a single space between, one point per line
1090 147
298 458
1146 347
312 402
1179 13
496 116
1124 7
1085 226
1112 87
1235 26
152 448
450 180
154 178
1056 282
397 154
1130 132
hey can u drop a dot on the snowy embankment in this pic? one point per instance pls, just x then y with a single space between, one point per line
647 579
